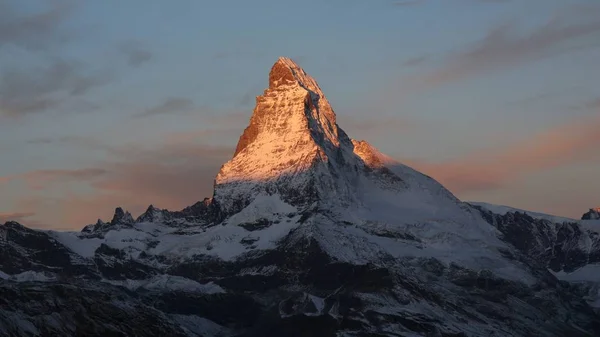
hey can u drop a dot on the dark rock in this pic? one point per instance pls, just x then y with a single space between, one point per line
121 217
256 225
60 309
592 214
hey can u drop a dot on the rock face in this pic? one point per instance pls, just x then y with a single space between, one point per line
564 247
570 249
292 147
308 233
592 214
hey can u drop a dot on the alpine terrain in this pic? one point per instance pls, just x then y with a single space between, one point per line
308 233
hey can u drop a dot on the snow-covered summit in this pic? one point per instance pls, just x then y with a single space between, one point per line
291 147
294 148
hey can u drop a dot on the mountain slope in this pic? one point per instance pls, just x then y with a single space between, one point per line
568 248
308 233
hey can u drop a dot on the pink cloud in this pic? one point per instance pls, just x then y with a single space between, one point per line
14 216
171 176
40 178
485 170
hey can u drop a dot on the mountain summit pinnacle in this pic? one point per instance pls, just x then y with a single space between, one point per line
292 133
294 152
291 96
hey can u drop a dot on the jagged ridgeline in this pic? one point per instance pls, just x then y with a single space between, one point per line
308 233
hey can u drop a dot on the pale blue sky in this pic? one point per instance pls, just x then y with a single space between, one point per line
109 88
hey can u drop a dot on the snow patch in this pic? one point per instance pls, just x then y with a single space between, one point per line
84 247
29 276
588 273
503 210
225 241
169 283
263 207
319 304
196 326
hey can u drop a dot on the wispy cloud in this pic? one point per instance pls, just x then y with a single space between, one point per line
492 1
414 61
15 216
407 2
170 105
369 128
39 179
135 52
492 168
172 175
594 104
24 91
34 31
505 46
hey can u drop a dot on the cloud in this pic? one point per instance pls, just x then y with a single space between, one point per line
15 216
573 142
169 106
594 104
493 1
173 175
504 47
135 53
368 127
41 88
408 2
34 31
39 179
414 61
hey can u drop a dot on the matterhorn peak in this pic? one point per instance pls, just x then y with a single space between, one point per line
292 132
293 150
293 103
286 72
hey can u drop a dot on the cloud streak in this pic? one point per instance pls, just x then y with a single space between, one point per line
504 47
407 3
363 127
42 88
171 105
34 31
173 175
41 178
14 216
562 145
135 53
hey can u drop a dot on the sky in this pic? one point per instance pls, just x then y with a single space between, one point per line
112 103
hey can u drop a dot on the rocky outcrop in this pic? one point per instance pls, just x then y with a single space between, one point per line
592 214
557 246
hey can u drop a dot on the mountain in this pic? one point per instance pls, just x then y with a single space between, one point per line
568 248
592 214
308 233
